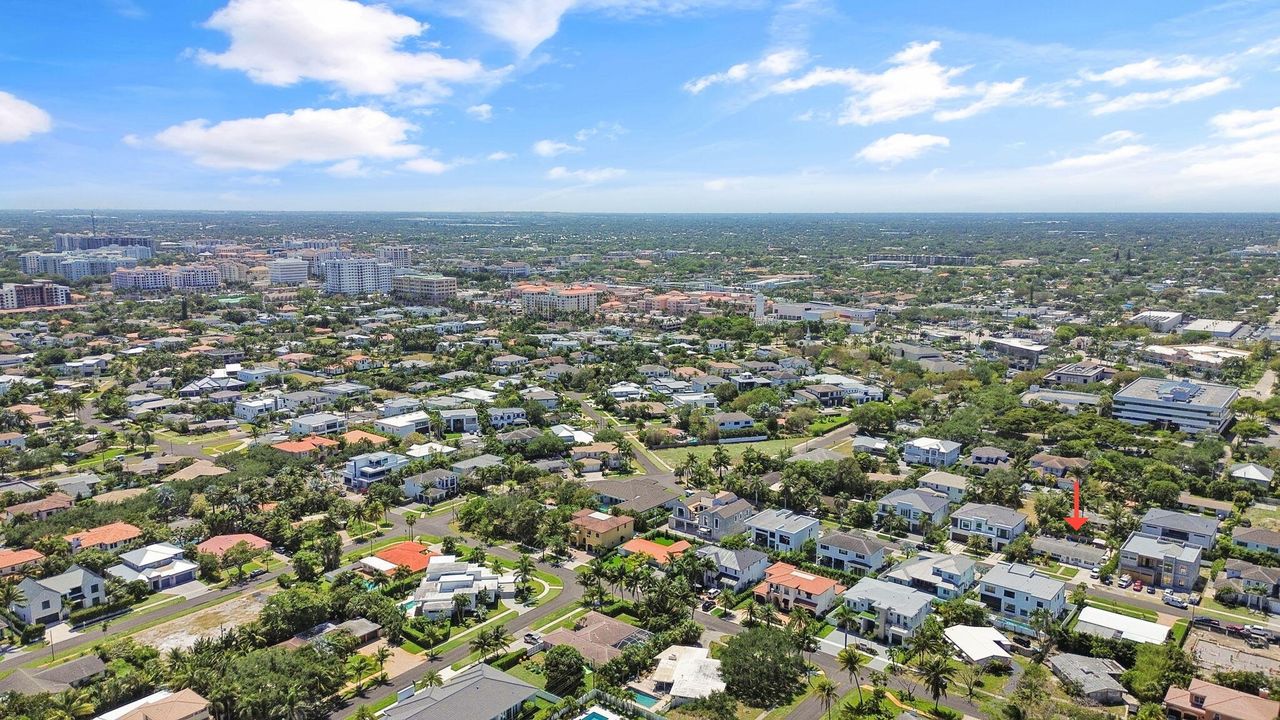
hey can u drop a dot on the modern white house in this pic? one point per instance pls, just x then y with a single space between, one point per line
250 408
430 486
460 420
404 425
320 423
51 599
943 576
920 508
781 530
505 417
160 566
886 611
446 576
1018 591
931 451
998 524
362 471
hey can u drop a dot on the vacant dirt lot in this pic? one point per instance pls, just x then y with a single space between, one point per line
210 622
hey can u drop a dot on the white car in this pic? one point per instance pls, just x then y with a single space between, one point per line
1174 601
1095 572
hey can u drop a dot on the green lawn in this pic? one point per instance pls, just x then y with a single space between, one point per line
1116 606
674 456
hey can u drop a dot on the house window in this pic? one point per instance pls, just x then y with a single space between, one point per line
44 605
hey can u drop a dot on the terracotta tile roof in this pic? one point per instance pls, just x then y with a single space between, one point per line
219 544
412 555
790 576
661 554
1222 701
14 558
356 436
104 535
55 501
305 445
597 521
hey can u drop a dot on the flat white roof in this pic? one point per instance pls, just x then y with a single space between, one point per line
978 644
1105 623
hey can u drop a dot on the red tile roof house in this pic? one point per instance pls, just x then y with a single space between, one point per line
40 509
1205 701
412 555
219 544
105 537
13 562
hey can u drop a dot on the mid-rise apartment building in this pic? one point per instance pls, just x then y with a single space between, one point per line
40 293
288 271
431 289
358 276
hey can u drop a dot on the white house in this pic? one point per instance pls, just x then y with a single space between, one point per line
1017 590
318 424
404 425
250 408
999 525
781 530
932 452
362 471
51 599
160 566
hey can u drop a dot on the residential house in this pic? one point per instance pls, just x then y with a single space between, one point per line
1254 586
55 678
998 524
1256 539
1083 555
987 458
887 612
788 587
460 420
1196 530
823 395
404 424
932 452
482 692
1253 473
249 409
446 577
735 569
362 471
14 561
49 600
1094 678
659 555
47 506
504 417
1018 591
1160 562
430 486
598 532
160 566
507 364
1202 700
921 509
185 704
320 423
464 468
108 538
949 484
781 530
599 638
852 552
1058 467
731 421
712 517
943 576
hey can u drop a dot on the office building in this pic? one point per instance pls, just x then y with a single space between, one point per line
1187 405
431 289
288 271
357 276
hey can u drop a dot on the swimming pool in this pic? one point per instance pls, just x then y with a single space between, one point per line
593 715
644 699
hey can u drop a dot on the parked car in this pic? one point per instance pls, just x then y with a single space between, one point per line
1137 586
707 605
1258 631
713 593
1095 572
1205 621
1106 579
1233 628
1125 581
533 638
1174 600
1194 599
1151 589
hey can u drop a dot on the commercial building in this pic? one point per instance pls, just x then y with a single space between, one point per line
75 241
431 289
1158 320
40 293
1215 328
288 271
357 276
1022 354
1187 405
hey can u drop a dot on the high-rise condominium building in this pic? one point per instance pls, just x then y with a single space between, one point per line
431 289
357 276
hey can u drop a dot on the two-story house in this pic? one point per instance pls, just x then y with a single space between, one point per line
987 458
949 484
362 471
823 395
852 552
943 576
1161 562
1018 591
1256 539
1197 530
921 509
160 566
710 516
781 530
320 423
788 587
734 569
504 417
598 532
430 486
460 420
887 612
931 452
998 524
51 599
1254 586
1203 700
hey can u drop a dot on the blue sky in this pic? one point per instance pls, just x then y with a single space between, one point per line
640 105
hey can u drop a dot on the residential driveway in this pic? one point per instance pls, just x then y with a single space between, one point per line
189 591
61 631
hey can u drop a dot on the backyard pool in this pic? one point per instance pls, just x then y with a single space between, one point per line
644 699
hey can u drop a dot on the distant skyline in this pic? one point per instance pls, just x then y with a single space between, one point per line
640 106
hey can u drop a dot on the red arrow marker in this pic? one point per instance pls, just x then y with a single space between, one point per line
1076 520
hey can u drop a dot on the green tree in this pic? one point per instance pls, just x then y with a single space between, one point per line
937 673
563 668
851 661
761 666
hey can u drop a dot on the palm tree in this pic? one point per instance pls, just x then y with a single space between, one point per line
74 703
432 678
720 461
524 569
937 673
852 662
845 616
382 655
460 606
827 693
11 594
410 519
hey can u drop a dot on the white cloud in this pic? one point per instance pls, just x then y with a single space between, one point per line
499 156
913 84
606 130
1117 137
349 168
1249 163
526 24
1247 123
482 112
19 119
353 46
426 166
592 176
898 147
722 184
1097 160
552 148
1181 69
1163 98
302 136
775 64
